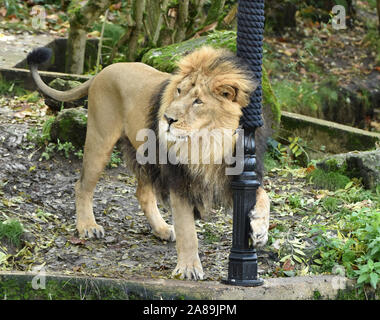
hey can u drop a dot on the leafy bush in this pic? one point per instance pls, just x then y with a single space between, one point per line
356 245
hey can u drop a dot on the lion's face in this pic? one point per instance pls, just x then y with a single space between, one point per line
195 107
207 94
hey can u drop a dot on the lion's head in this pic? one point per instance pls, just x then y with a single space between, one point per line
207 93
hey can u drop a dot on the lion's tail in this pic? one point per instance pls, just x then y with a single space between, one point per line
41 55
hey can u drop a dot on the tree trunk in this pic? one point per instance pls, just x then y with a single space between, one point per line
75 50
163 10
139 7
81 17
183 12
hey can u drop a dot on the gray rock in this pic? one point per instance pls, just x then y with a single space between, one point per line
365 165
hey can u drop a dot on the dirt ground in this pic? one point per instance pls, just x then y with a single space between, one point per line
40 193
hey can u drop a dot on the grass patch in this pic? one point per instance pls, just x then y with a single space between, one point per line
11 230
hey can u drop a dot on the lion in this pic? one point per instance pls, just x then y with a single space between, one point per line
207 92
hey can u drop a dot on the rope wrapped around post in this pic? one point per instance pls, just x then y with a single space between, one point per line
242 268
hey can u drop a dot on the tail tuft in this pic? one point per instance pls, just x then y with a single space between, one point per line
38 56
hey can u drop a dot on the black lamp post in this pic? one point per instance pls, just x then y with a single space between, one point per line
242 268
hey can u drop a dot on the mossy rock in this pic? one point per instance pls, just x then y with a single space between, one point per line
70 126
362 165
166 58
64 85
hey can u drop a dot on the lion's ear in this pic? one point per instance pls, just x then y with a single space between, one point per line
227 92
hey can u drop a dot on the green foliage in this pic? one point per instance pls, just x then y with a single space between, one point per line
295 201
369 273
115 159
269 162
354 244
330 204
112 34
11 230
65 147
11 89
14 8
306 97
41 136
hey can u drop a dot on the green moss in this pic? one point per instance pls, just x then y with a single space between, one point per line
17 289
351 295
166 58
328 180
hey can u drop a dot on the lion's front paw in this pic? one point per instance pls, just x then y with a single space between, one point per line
259 229
166 233
191 270
90 230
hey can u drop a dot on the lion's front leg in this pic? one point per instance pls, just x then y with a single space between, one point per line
259 216
188 263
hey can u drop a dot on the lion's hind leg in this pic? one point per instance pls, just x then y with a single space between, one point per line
148 203
259 217
101 137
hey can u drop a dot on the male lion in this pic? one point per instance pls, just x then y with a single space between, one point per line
207 92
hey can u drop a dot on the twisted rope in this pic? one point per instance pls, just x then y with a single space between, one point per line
250 47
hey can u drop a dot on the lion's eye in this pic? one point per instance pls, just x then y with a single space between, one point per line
197 101
178 90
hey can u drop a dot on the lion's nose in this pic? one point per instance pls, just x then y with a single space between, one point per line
169 120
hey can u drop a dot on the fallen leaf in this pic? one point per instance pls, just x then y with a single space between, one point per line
288 265
74 240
